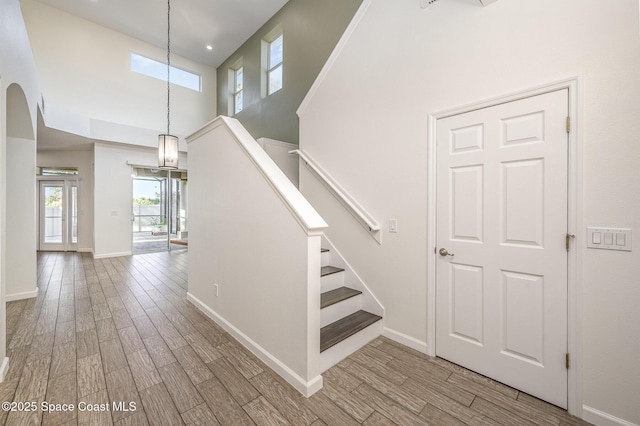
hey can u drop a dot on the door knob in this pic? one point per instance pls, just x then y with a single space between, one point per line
444 252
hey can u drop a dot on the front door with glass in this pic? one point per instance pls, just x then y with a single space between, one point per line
58 207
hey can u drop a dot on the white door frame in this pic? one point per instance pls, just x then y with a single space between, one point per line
574 223
67 244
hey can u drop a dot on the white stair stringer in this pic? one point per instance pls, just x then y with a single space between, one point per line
365 301
350 279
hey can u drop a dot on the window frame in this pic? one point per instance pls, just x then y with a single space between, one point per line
271 68
161 74
232 74
266 60
238 91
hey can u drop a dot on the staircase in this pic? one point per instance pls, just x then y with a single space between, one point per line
350 317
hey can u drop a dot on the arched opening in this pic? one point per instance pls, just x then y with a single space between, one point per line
20 192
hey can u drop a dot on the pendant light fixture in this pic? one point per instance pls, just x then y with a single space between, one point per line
167 143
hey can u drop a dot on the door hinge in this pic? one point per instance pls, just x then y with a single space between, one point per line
567 360
568 124
567 240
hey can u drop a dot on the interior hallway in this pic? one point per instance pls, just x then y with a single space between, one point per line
121 330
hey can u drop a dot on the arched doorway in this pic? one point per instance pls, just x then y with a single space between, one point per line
20 193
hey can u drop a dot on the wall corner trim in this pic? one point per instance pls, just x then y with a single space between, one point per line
601 418
306 388
362 10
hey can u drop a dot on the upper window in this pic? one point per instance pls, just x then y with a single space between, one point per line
156 69
274 64
57 171
238 76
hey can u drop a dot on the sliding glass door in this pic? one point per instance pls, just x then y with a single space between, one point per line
58 207
158 210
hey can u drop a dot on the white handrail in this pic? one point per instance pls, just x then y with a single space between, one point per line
304 213
339 191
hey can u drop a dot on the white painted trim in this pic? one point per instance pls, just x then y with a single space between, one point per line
431 235
402 338
601 418
487 2
576 255
306 388
105 255
24 295
85 250
344 39
300 208
575 222
4 368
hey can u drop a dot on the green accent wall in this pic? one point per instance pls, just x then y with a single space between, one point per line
311 29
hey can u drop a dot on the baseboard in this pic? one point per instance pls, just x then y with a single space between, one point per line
306 388
402 338
85 250
4 367
601 418
104 256
24 295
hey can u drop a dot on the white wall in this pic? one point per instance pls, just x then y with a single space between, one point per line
86 79
16 66
21 217
113 201
247 240
403 63
279 153
83 160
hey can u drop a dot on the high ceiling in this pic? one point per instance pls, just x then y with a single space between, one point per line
223 24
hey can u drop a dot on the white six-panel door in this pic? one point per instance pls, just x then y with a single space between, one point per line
501 271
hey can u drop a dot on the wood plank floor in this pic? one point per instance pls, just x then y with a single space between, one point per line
120 330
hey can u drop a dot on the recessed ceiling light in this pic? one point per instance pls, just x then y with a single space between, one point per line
209 47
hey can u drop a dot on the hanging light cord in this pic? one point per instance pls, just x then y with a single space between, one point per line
168 65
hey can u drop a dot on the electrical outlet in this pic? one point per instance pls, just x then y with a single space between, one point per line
215 289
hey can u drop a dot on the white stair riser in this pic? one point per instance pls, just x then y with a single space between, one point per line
340 310
325 258
338 352
332 281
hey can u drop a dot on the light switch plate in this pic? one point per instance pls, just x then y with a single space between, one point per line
609 238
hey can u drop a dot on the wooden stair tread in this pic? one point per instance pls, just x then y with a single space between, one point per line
332 297
328 270
338 331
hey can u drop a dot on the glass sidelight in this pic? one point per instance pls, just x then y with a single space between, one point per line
58 206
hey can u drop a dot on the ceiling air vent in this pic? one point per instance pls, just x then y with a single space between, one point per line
426 3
